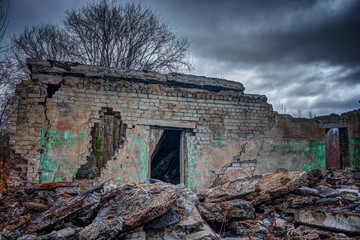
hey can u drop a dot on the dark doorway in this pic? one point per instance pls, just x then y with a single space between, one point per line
165 161
337 148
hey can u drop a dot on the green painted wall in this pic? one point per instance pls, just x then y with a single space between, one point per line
355 151
53 165
192 159
314 155
133 167
199 161
271 154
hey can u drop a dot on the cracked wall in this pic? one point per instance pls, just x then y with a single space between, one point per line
228 134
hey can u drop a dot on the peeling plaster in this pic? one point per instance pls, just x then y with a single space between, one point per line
55 166
355 151
132 161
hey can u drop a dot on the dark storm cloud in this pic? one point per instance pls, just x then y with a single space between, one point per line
267 31
305 54
350 77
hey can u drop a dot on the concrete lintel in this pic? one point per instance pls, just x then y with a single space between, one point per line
164 123
332 125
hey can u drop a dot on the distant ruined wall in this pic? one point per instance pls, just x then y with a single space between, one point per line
67 114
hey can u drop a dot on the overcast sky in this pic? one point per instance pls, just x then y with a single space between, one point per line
304 54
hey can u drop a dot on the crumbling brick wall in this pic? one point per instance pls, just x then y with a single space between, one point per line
58 113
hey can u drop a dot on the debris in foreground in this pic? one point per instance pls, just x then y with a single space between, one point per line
284 205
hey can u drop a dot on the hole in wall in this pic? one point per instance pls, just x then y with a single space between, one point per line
52 89
107 137
165 161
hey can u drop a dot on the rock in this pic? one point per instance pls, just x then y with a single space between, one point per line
36 207
335 221
204 233
136 234
65 233
244 232
169 218
190 224
328 193
106 229
350 196
80 207
102 214
27 237
327 200
312 233
234 174
140 205
301 202
231 190
261 232
342 178
234 210
266 222
274 185
280 223
308 191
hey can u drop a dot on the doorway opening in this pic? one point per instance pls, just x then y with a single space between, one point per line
166 158
337 148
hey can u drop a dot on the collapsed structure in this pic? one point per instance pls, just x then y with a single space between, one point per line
94 123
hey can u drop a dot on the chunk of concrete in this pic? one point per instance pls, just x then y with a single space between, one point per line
106 229
335 221
231 190
328 193
234 210
274 185
308 191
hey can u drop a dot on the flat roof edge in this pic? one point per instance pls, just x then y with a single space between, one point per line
182 80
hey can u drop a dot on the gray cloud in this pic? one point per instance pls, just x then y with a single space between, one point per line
303 53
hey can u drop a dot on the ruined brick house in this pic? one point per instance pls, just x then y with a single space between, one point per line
91 123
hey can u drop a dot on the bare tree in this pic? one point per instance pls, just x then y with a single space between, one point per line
128 36
298 113
311 114
281 108
5 80
5 104
42 42
3 23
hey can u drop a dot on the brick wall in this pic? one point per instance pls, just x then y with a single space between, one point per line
56 111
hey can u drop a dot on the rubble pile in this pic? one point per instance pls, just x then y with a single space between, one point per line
283 205
286 205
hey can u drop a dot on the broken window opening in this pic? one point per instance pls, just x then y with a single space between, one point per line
52 89
165 160
107 137
337 148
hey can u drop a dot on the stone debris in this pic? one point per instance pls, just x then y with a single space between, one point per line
283 205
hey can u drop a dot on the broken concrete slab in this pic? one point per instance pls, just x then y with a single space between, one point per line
146 203
348 222
308 191
80 207
106 230
232 210
274 185
230 190
36 207
328 193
